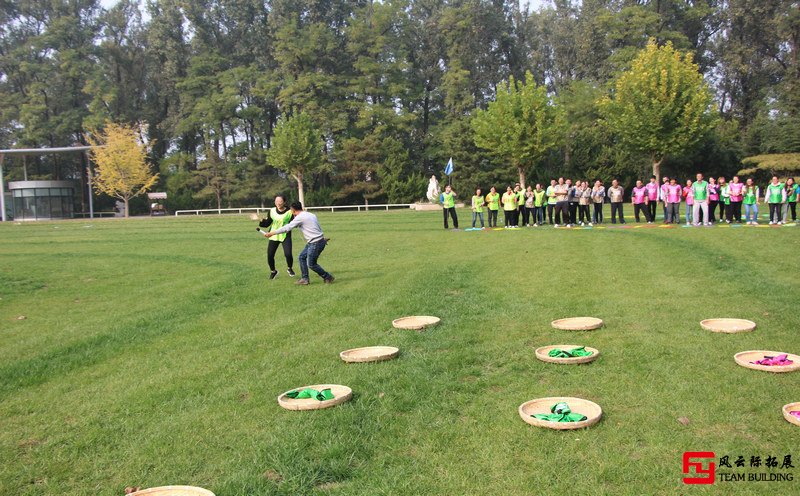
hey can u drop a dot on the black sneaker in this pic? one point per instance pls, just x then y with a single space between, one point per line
273 274
291 272
329 280
302 282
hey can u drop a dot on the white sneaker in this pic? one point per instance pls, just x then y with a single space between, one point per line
770 222
590 224
556 225
708 223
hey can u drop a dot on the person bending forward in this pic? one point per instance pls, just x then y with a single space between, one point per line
315 242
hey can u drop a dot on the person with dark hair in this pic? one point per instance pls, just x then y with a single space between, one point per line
528 212
493 204
791 200
478 203
539 202
735 188
550 193
751 195
616 193
598 197
448 199
315 242
672 200
277 217
509 201
520 204
562 202
652 197
713 201
639 201
775 197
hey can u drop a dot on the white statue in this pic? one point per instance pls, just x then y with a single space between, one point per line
433 190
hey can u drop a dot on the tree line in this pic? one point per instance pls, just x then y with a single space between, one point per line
388 91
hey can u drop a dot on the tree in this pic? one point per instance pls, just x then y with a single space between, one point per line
661 106
296 149
776 164
520 126
120 159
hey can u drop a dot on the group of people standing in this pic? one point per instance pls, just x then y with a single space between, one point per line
564 203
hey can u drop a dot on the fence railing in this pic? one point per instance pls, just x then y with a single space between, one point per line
96 214
331 208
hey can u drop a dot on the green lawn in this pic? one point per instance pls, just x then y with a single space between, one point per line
152 352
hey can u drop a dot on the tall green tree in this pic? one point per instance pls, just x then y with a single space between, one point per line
520 126
297 150
661 106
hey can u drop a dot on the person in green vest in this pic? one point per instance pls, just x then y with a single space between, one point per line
750 201
493 205
791 200
509 207
478 203
775 196
448 199
539 201
700 191
725 201
550 193
277 217
520 192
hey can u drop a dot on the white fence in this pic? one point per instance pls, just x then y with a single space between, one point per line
332 208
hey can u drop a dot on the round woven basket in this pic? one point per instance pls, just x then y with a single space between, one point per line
542 354
174 491
789 408
592 411
578 324
728 326
745 357
369 354
340 393
416 322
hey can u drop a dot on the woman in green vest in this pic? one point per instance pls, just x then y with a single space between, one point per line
539 201
277 217
751 194
493 204
775 195
477 207
448 199
509 207
791 200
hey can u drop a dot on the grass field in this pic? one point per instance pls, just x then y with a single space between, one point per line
152 352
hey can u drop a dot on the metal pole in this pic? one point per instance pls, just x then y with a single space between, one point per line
89 182
2 190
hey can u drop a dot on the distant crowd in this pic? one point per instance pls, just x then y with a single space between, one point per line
566 204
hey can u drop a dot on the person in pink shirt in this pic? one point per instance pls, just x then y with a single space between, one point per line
672 199
663 195
688 195
713 199
639 200
652 197
737 189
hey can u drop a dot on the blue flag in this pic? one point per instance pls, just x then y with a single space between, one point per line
448 169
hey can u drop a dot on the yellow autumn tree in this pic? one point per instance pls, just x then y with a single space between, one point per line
120 158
